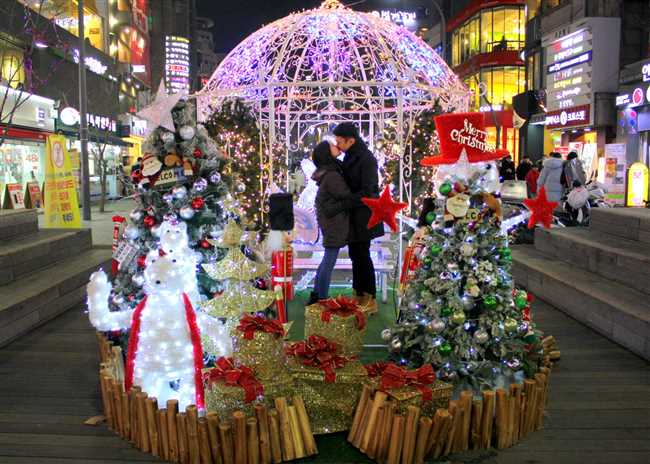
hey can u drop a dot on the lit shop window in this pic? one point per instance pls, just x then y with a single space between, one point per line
12 70
492 29
64 14
499 84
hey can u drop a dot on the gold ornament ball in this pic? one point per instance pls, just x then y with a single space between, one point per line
510 325
458 317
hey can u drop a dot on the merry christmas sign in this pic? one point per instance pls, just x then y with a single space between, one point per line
463 131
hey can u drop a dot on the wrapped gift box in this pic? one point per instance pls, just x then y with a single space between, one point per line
229 389
258 344
330 384
340 320
417 387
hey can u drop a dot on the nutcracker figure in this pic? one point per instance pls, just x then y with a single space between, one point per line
118 225
279 244
411 261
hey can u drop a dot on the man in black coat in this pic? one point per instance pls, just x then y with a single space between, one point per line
360 173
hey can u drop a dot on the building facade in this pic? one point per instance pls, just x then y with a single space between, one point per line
40 55
485 42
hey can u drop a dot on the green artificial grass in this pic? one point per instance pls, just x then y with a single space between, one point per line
334 448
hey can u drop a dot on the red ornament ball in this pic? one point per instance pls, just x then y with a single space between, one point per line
205 244
149 221
198 203
141 260
131 297
198 153
460 188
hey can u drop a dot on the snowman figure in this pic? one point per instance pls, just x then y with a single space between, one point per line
165 356
175 243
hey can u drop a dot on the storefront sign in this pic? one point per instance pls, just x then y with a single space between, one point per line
570 62
398 17
577 116
33 197
70 117
637 185
93 64
177 63
611 172
645 72
14 198
61 205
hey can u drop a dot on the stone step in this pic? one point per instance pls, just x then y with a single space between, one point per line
613 257
17 222
33 300
629 223
620 313
28 253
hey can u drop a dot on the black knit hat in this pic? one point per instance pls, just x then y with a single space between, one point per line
347 129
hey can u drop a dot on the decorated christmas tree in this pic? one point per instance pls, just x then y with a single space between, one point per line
460 312
182 180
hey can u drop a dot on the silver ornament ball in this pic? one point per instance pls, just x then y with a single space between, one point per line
155 231
118 299
167 137
240 187
200 185
138 279
187 132
386 335
481 336
136 215
436 325
187 212
179 192
396 344
131 232
168 198
215 177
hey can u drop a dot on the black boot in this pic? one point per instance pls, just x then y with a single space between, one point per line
313 299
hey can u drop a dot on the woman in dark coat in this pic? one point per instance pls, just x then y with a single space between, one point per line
333 219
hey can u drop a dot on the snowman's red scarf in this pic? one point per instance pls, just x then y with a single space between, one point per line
195 337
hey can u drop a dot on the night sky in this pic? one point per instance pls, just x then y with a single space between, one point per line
236 19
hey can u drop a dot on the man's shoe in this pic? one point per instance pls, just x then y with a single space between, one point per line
313 299
369 304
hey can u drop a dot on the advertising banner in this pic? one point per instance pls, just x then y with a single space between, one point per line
61 204
611 172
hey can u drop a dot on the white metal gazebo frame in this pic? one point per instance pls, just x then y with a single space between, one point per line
328 65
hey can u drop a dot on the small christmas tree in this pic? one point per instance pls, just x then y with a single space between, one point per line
236 272
183 179
459 312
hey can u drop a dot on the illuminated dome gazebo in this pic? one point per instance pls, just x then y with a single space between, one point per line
330 64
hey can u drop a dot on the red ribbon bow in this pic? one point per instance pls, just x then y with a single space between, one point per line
251 324
342 306
318 352
393 376
226 372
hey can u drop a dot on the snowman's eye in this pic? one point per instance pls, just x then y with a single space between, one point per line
173 260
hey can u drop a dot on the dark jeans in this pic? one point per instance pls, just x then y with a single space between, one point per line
324 273
363 271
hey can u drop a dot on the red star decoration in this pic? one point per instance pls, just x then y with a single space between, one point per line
541 210
383 209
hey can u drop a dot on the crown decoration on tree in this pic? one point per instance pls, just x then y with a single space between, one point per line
331 5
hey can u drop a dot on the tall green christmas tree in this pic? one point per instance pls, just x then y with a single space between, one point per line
183 178
460 312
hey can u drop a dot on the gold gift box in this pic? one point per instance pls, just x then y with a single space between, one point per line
410 396
330 406
264 353
224 399
342 330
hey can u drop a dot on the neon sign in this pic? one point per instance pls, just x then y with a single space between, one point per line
93 64
560 65
177 63
398 17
